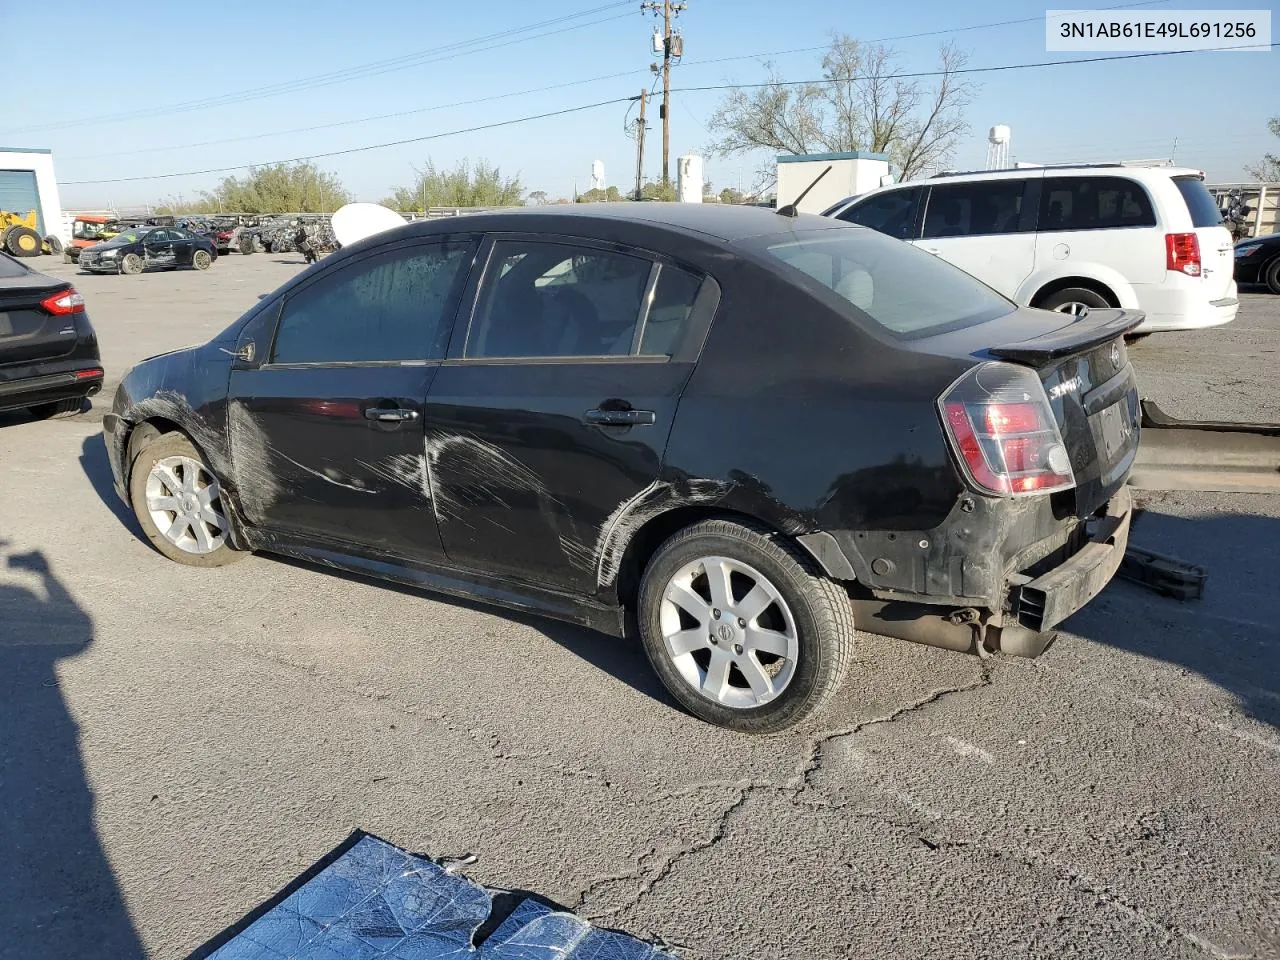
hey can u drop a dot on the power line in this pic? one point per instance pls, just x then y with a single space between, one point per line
358 120
966 70
359 72
910 36
350 150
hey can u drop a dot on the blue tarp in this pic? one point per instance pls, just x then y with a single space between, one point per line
370 900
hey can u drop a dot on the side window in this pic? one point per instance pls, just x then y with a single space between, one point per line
396 306
974 209
1094 203
558 300
892 213
669 310
158 236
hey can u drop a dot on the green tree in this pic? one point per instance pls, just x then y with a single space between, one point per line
463 186
730 195
595 195
538 197
1268 169
658 190
279 188
865 102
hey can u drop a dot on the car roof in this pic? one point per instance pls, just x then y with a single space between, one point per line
724 222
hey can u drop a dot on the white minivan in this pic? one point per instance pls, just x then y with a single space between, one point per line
1073 237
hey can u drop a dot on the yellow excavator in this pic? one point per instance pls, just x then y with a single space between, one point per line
19 235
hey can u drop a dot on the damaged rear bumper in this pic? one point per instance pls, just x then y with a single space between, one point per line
1042 603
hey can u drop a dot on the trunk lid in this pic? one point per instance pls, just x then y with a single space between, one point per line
28 332
1085 370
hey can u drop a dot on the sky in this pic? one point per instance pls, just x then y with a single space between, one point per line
191 79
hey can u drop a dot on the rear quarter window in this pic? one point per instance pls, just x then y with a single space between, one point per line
1200 203
1094 203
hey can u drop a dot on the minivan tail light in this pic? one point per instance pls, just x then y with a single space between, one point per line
1001 427
1182 253
64 302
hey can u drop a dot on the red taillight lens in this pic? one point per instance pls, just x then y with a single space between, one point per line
86 374
60 304
1182 253
1002 428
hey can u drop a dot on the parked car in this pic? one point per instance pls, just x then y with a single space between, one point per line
1258 261
753 431
135 250
1073 238
49 360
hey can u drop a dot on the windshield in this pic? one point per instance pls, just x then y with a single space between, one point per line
1200 203
905 291
120 240
84 230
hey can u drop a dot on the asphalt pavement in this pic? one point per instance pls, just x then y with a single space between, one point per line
177 744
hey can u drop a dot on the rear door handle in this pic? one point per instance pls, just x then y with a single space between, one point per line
390 414
620 418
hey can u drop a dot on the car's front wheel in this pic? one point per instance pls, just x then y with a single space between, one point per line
178 501
1271 276
743 628
131 264
201 260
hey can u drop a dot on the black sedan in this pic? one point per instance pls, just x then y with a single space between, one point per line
49 360
752 431
144 247
1258 261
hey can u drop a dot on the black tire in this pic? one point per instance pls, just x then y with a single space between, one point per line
23 242
201 260
59 409
54 245
820 610
246 245
132 264
1271 276
1060 299
161 448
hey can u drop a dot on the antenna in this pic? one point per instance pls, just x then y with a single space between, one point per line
790 209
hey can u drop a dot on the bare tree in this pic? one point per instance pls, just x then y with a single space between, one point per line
864 102
1268 168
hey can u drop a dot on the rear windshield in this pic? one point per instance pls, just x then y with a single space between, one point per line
1200 203
904 290
10 268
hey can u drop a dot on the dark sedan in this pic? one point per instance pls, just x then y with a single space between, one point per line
49 360
142 248
751 431
1258 261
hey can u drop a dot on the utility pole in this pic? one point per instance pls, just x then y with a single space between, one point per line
644 98
669 10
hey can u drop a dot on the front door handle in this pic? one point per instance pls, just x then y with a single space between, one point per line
390 414
620 418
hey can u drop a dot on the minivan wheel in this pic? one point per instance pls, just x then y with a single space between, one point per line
742 627
178 501
1076 301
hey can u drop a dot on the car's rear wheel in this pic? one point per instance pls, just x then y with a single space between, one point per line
131 264
201 260
178 501
742 628
1076 301
1271 276
58 409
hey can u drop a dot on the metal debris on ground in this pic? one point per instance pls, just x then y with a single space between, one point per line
370 900
1206 455
1167 576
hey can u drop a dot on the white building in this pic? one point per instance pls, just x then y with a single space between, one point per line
27 183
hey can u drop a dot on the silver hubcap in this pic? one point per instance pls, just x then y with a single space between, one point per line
183 501
729 633
1073 307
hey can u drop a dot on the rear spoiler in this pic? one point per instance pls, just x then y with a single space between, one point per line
1092 330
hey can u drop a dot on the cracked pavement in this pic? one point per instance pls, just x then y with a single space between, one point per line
177 744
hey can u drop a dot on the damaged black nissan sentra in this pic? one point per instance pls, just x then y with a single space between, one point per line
755 432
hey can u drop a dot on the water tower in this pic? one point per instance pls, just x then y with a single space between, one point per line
998 147
597 175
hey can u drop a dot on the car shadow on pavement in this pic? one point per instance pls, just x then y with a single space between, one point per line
621 658
58 893
94 463
1231 636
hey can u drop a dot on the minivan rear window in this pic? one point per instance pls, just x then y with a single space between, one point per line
1200 203
902 289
